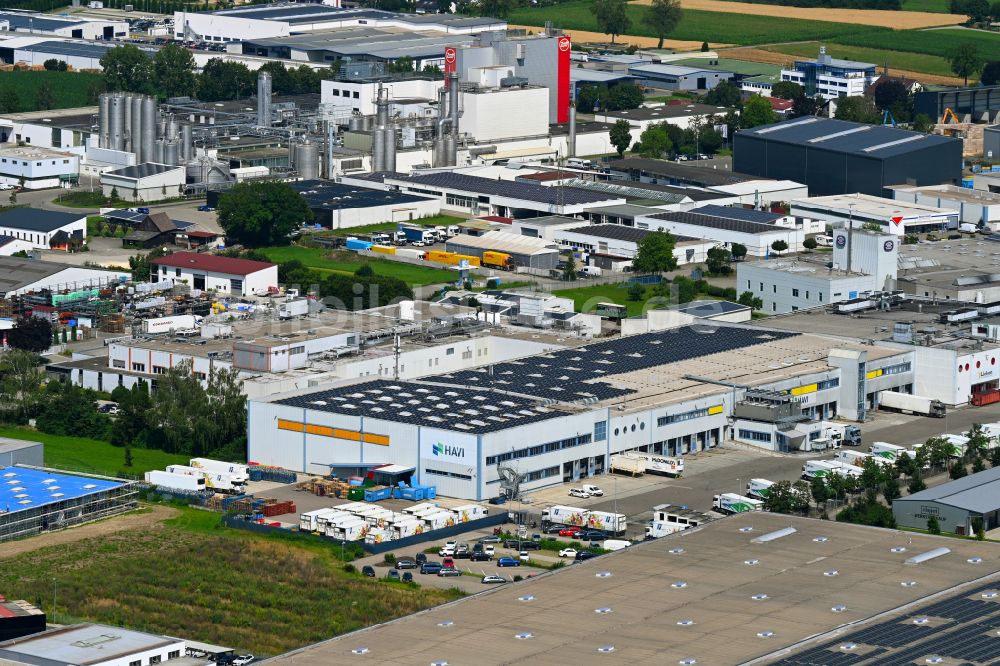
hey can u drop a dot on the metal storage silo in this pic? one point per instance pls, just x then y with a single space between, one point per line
390 148
264 99
172 153
136 124
369 123
158 151
172 129
148 144
193 172
292 150
378 150
307 160
218 172
117 129
187 143
356 123
127 124
451 150
104 120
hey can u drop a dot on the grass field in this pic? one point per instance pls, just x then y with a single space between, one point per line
886 18
728 28
941 42
69 89
191 578
79 454
586 297
348 262
913 62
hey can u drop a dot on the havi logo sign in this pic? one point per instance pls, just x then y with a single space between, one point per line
440 449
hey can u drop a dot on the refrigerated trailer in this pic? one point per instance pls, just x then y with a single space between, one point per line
565 515
223 483
220 467
758 488
175 481
887 451
905 403
611 523
628 464
733 503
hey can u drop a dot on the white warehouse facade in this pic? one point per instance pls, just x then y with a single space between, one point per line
240 277
559 416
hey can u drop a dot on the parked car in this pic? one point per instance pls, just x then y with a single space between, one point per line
567 552
578 492
448 563
595 491
569 531
508 562
523 556
492 538
481 556
446 551
421 558
522 544
407 577
242 660
205 208
109 408
493 579
584 555
449 571
553 529
368 570
430 567
393 574
406 564
490 549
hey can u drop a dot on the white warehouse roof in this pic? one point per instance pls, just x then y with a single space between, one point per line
503 241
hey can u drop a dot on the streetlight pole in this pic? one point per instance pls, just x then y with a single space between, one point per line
54 586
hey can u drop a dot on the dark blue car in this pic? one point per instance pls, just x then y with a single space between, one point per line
430 567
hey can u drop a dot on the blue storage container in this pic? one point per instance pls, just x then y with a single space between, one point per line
355 244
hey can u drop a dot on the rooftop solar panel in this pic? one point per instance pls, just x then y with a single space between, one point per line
511 189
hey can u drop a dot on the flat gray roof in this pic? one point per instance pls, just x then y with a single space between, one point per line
82 644
7 444
687 596
978 493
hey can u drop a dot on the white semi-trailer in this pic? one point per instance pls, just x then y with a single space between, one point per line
911 404
175 481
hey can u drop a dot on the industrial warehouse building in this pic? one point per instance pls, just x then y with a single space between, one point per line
558 416
524 250
36 167
755 236
894 217
144 182
20 452
340 206
240 277
839 157
977 104
44 229
34 500
612 246
955 503
22 276
45 24
94 645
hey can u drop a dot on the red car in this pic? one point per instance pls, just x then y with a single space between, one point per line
570 531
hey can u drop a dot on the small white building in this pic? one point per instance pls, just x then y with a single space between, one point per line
94 645
36 167
830 77
787 285
44 229
895 217
46 24
609 245
144 182
724 231
359 96
239 277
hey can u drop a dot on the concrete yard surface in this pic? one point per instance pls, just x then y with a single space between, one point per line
711 594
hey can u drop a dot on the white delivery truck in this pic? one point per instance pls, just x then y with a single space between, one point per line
615 544
565 515
842 434
819 468
611 523
856 458
168 324
886 451
628 464
354 530
436 521
223 483
911 404
468 512
733 503
219 467
758 488
175 481
844 469
958 444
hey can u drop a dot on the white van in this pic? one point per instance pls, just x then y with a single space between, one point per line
824 241
577 163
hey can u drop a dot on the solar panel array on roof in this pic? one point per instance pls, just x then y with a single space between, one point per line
510 189
335 196
848 137
78 49
715 222
963 630
571 375
733 213
430 405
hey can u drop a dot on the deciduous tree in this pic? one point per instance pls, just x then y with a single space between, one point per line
621 136
126 68
262 214
173 72
655 253
30 333
966 61
612 16
662 18
757 111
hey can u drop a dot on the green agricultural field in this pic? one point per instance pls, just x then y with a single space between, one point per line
914 62
190 577
69 89
79 454
939 6
696 25
940 42
348 262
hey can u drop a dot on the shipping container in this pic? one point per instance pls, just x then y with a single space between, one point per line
439 520
500 260
468 512
411 253
383 249
168 324
357 244
451 258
